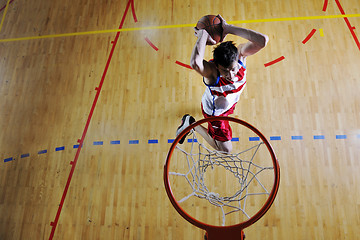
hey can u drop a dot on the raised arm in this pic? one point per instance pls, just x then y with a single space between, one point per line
197 61
256 40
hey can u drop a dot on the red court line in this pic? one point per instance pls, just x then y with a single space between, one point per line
151 44
275 61
81 141
351 28
309 36
5 5
325 5
183 65
133 10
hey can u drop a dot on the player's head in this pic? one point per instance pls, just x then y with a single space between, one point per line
225 58
225 54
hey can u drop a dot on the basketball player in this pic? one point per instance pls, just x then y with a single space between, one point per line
224 78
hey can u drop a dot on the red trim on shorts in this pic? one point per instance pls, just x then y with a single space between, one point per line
220 130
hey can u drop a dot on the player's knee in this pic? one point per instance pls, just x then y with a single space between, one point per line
227 150
226 147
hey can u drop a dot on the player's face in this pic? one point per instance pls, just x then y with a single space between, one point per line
229 73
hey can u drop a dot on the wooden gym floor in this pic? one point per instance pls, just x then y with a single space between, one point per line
68 77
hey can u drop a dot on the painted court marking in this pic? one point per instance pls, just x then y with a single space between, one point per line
274 61
351 28
183 65
169 141
309 36
325 5
3 17
5 5
81 141
151 44
176 26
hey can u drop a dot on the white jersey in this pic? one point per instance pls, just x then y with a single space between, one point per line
224 94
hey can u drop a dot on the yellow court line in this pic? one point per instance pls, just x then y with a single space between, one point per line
3 17
295 18
177 26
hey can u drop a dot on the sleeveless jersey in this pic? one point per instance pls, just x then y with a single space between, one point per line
224 94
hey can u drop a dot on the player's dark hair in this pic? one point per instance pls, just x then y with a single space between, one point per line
225 54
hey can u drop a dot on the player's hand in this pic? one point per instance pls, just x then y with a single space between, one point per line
224 27
200 32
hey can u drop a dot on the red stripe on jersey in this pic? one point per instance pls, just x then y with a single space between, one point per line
222 82
240 74
224 94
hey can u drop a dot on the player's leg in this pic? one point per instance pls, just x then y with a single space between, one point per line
205 134
186 121
217 145
224 146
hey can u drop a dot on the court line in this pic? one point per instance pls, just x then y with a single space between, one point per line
42 151
274 61
341 136
171 140
183 65
351 28
8 159
325 5
131 142
60 149
3 17
133 11
309 36
5 6
81 141
174 26
297 137
151 44
98 143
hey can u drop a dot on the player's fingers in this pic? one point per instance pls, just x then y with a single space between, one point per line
211 41
221 18
196 32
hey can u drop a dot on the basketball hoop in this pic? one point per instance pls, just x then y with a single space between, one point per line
248 175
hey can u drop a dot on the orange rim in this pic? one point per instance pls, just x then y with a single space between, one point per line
223 229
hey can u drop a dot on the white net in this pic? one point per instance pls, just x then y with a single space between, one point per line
244 169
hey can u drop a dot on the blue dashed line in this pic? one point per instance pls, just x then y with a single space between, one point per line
275 138
341 136
59 149
8 159
296 137
253 139
133 141
42 152
318 137
189 140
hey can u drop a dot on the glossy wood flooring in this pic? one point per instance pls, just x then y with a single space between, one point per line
308 103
